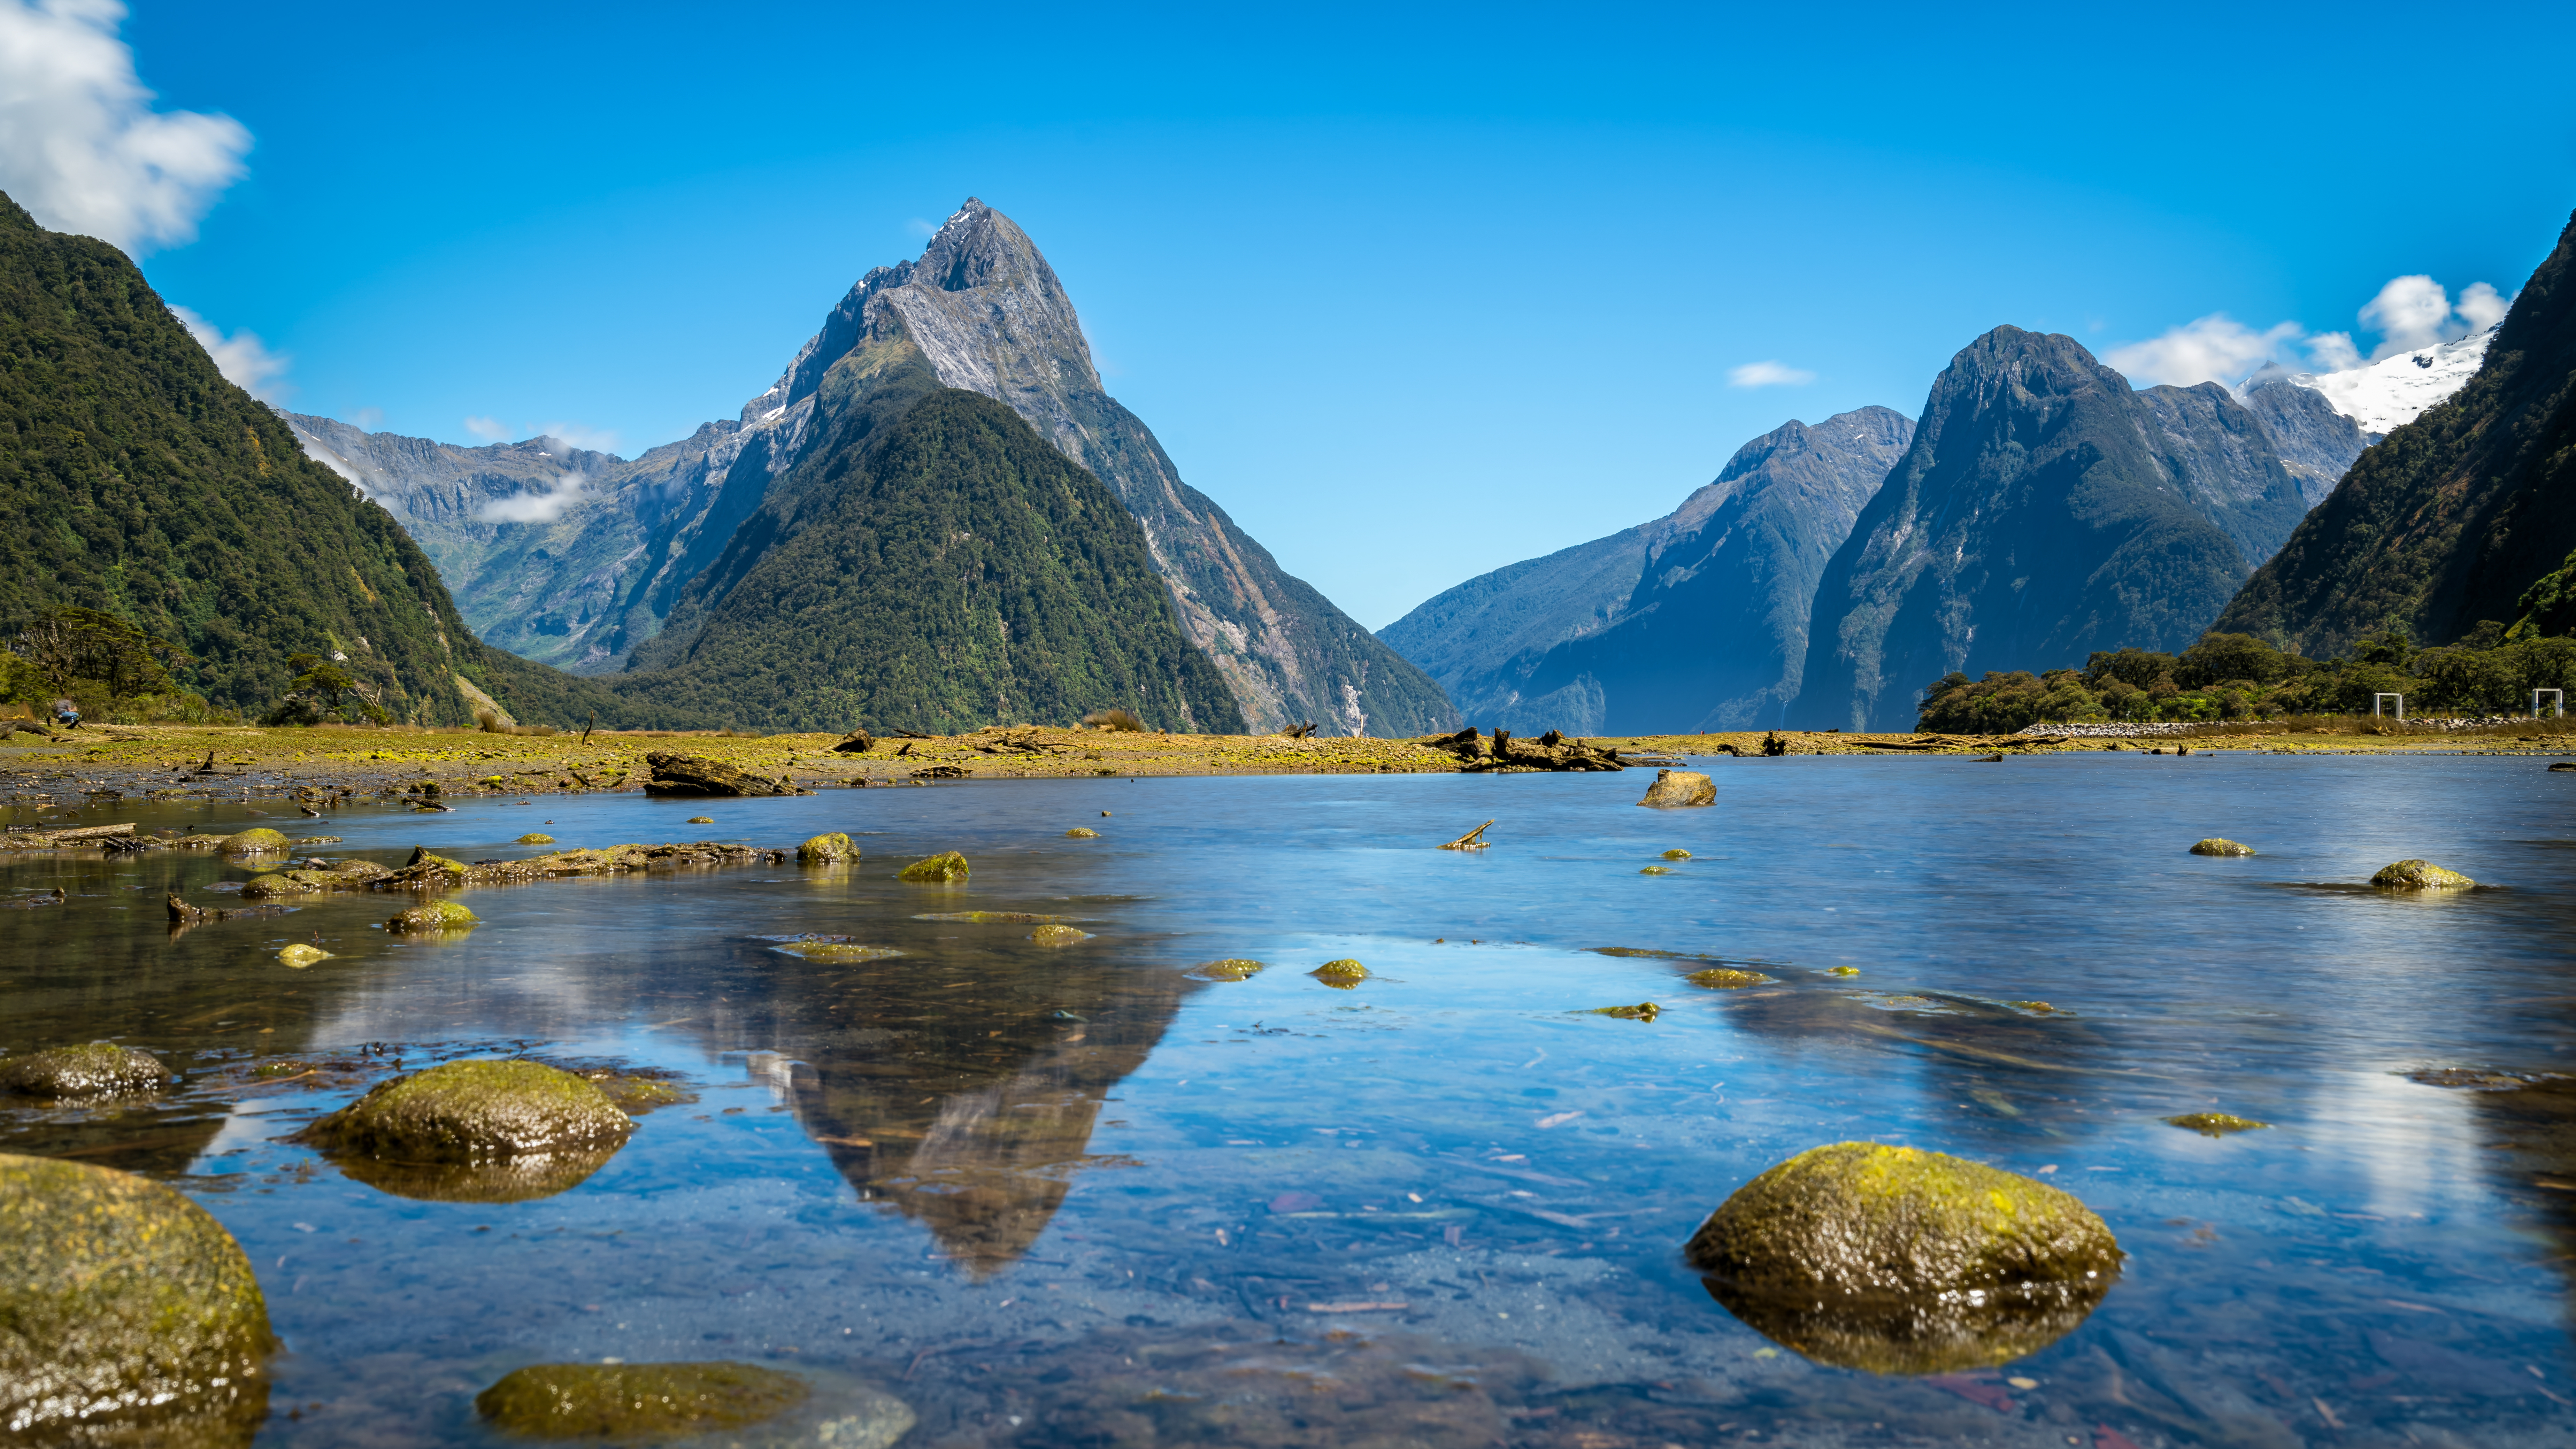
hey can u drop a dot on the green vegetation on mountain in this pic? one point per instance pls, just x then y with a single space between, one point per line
2451 519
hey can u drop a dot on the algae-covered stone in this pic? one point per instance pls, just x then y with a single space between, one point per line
100 1069
838 949
948 865
432 918
1842 971
2216 1124
1233 968
1058 935
300 955
259 840
275 884
637 1401
1642 1011
536 837
828 848
2216 845
1727 978
128 1314
1342 972
1082 832
1656 870
473 1110
1896 1260
701 820
1676 788
2419 875
1677 855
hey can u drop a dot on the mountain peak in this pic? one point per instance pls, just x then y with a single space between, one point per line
979 247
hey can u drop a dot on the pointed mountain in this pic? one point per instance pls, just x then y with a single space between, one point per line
2043 510
2454 517
1695 621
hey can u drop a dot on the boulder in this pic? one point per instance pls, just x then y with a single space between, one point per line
259 840
2419 875
1674 789
1896 1260
475 1131
131 1315
100 1069
1677 855
1344 973
2217 846
946 866
828 848
627 1403
434 917
698 775
1058 935
1082 832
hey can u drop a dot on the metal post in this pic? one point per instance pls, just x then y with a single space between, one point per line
2401 705
2557 702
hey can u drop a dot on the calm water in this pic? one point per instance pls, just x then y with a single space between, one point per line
1071 1196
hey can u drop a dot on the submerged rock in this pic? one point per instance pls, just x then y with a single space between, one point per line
2217 846
300 955
834 948
432 918
131 1316
1674 789
700 820
1058 935
534 837
2419 875
2216 1124
1642 1011
1082 832
639 1401
946 866
1727 978
1677 855
698 775
1842 971
1895 1260
827 848
100 1069
259 840
1656 870
1344 973
1233 968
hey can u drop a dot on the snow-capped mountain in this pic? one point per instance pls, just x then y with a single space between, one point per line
2393 391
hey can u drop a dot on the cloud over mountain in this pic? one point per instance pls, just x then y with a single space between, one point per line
2409 313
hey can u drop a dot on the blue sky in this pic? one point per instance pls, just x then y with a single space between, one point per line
1412 293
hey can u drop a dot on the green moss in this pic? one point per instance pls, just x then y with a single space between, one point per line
534 837
99 1069
2420 875
2215 845
259 840
2216 1124
434 917
1896 1260
633 1403
1058 935
1642 1011
946 866
827 848
1727 978
1230 969
466 1112
130 1314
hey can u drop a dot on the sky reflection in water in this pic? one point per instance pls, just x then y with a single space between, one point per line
1066 1194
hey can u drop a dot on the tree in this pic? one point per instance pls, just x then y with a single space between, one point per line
71 645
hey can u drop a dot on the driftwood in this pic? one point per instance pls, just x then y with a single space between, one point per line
1472 840
698 775
1551 751
1304 729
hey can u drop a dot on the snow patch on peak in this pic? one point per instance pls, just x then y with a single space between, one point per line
2394 391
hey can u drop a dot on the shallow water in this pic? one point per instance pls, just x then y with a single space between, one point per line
1069 1195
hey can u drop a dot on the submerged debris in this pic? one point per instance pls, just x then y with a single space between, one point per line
637 1401
299 955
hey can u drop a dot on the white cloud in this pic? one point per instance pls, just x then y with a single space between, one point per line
1768 374
2333 352
80 145
2215 347
575 435
2409 313
543 507
490 430
242 358
2482 307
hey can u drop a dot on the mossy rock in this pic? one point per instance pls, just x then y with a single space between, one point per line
1896 1260
2420 875
1679 789
1344 973
636 1095
1082 832
837 951
637 1402
300 955
1642 1011
946 866
2216 845
259 840
131 1316
524 1178
432 918
275 885
701 820
1727 978
2216 1124
1842 971
536 837
421 856
1058 935
828 848
1677 855
1656 870
1233 968
100 1069
472 1112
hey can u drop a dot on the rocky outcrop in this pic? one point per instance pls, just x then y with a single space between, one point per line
699 775
2315 442
131 1316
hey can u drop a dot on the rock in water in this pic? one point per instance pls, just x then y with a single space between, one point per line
301 955
1344 973
1673 788
828 848
698 775
131 1316
257 841
2419 875
2217 1124
640 1401
1895 1260
433 918
478 1131
946 866
2216 846
1058 935
100 1069
1082 832
1233 968
535 837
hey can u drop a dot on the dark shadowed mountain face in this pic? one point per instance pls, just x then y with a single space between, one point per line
2451 518
1714 633
2044 510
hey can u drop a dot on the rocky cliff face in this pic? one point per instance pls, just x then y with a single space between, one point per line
2316 442
2453 516
1695 621
2043 510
